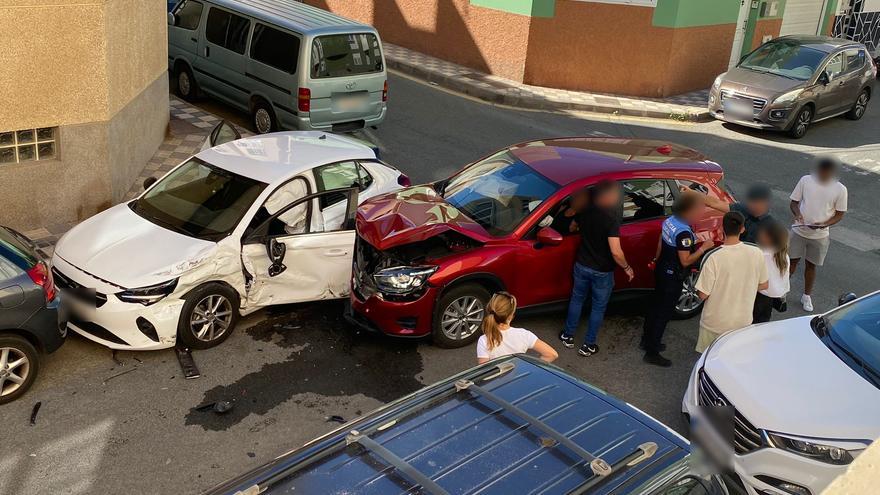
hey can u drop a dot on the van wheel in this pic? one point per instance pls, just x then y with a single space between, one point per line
859 107
801 123
689 303
459 315
185 83
209 316
19 364
263 118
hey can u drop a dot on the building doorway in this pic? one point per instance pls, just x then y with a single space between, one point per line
742 25
803 17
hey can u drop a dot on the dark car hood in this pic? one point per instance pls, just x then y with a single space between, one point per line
412 215
759 84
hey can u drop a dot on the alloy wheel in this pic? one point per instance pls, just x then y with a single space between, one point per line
689 300
861 104
803 121
183 83
462 318
211 318
262 121
14 369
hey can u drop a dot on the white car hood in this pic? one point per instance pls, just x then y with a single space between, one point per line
124 249
782 378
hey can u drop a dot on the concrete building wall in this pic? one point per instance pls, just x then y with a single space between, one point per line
95 70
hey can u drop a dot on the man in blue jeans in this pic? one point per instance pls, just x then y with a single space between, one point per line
597 256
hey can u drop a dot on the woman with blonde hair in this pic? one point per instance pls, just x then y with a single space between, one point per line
501 339
773 241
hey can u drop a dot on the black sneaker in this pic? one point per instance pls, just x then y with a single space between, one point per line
657 360
566 340
644 347
588 349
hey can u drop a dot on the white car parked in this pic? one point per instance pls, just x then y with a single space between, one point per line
791 403
240 226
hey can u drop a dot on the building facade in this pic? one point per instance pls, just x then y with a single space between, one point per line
859 20
83 104
651 48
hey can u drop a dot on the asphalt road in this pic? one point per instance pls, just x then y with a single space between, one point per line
132 423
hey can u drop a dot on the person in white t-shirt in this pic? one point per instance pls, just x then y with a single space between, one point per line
773 241
817 202
500 339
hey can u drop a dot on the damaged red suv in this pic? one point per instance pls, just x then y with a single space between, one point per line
427 258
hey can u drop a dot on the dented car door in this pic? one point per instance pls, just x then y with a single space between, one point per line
306 261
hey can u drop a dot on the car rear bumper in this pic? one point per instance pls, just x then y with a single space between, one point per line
395 318
305 123
49 325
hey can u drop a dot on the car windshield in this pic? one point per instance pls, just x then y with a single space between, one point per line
199 200
855 330
498 192
786 59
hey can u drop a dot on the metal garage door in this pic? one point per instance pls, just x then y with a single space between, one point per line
802 17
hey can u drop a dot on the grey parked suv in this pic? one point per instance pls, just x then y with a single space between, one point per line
788 83
31 317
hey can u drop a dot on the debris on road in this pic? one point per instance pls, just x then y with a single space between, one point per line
335 419
34 412
118 375
219 407
187 364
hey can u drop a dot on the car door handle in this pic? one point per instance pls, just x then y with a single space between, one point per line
194 39
336 252
207 51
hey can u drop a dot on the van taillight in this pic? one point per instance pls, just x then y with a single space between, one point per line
41 276
304 100
385 92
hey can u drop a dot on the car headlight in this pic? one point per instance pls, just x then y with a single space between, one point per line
717 83
403 279
816 451
789 97
148 295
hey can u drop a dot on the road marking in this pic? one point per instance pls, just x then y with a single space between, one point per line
855 239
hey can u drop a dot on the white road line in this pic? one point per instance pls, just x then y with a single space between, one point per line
855 239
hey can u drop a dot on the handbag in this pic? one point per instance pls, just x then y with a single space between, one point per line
779 304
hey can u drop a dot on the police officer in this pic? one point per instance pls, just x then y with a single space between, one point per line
676 251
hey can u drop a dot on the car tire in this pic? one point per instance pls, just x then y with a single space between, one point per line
263 117
17 376
859 107
689 304
801 123
185 84
209 316
466 301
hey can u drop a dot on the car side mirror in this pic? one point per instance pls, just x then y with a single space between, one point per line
172 19
824 79
276 251
548 236
846 298
149 181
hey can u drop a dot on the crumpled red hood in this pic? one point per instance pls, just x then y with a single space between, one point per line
412 215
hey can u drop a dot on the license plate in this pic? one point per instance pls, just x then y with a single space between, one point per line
349 103
739 108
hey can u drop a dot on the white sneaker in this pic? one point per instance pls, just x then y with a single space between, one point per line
807 301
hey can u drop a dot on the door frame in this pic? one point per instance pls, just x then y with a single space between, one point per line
746 22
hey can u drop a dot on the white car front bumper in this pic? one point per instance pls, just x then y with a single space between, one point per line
115 323
765 462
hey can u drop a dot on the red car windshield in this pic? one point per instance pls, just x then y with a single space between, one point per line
498 193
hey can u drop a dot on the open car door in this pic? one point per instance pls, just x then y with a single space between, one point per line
223 132
293 256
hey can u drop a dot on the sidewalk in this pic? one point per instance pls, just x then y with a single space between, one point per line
188 127
689 107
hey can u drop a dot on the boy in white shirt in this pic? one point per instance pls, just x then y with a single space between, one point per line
817 202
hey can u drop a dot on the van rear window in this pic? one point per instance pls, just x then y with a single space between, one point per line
341 55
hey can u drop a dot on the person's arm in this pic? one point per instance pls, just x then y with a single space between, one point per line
687 258
659 247
795 207
837 217
482 351
763 273
709 200
706 280
839 209
796 196
619 257
548 354
763 286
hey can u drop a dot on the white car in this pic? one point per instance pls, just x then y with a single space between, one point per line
790 403
240 226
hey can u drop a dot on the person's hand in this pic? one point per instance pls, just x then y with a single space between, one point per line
705 246
630 275
798 219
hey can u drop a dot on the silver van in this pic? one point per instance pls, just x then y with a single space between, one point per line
287 64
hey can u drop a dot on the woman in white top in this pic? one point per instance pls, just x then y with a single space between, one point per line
773 241
500 339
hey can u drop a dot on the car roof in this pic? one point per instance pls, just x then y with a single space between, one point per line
821 43
565 160
294 15
278 156
457 435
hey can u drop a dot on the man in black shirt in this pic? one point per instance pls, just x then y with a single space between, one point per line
597 256
756 208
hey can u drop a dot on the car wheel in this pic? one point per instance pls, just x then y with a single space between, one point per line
801 123
19 364
689 303
209 316
185 83
263 118
859 107
459 315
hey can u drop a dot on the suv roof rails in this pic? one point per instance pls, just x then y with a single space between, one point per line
405 468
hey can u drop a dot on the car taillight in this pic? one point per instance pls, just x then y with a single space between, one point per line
304 100
385 92
404 180
41 276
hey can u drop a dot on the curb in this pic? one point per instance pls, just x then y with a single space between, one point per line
490 94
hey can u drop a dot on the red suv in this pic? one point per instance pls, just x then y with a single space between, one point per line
427 258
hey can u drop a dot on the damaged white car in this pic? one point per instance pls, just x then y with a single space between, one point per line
240 226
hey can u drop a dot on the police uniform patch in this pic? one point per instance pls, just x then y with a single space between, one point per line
687 242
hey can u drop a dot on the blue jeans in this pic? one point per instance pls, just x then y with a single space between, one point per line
598 285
